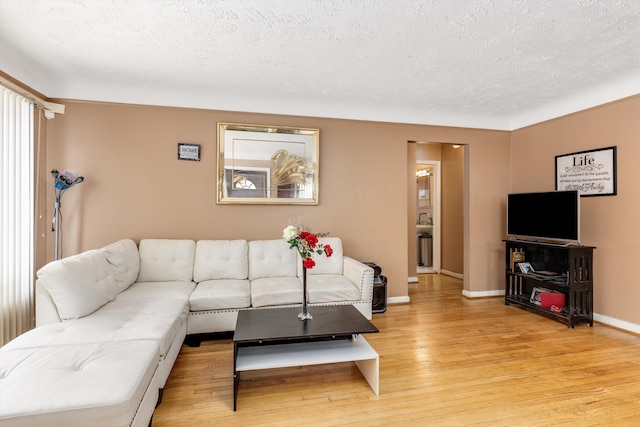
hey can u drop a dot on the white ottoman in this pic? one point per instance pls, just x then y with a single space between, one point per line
94 384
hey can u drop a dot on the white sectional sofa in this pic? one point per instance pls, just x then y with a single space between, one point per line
110 322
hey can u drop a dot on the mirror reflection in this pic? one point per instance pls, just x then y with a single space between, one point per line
423 181
267 164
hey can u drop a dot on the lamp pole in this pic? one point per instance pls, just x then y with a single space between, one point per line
62 181
56 205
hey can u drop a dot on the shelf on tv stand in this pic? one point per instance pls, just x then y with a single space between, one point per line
523 302
557 278
546 242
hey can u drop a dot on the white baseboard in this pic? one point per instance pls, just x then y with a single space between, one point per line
483 294
611 321
617 323
452 274
606 320
398 300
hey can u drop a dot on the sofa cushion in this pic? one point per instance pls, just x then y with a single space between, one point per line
163 260
97 384
179 290
123 319
221 259
124 260
79 284
271 258
324 264
331 288
276 291
220 294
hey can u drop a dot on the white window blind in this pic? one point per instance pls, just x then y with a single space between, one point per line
17 214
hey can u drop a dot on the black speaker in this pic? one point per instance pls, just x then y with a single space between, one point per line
379 302
376 268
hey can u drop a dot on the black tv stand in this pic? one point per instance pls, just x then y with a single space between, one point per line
567 269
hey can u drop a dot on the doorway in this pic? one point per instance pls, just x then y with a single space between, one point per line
428 214
446 197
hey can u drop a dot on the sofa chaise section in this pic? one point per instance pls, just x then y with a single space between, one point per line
98 384
111 298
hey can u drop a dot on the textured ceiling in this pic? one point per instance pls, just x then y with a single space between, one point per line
499 64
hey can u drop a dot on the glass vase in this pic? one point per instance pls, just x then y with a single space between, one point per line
304 314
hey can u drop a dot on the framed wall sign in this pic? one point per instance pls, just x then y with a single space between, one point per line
267 165
189 152
591 173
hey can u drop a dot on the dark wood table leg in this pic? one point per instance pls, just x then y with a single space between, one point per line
235 376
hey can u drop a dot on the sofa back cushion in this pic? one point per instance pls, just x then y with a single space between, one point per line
79 284
271 258
327 265
166 260
124 260
221 259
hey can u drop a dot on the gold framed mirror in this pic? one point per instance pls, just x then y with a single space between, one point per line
267 165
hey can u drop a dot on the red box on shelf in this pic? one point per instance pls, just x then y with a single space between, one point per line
548 299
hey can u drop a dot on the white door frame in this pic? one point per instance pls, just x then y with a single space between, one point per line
436 203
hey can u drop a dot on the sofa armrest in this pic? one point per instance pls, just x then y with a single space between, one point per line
361 275
46 310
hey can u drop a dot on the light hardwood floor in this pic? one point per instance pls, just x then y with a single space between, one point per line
445 360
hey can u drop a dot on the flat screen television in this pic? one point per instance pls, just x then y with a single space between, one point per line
553 215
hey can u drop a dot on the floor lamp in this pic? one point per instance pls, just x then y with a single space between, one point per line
62 181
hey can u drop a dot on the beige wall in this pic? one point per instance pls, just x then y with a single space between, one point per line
136 188
452 209
412 215
611 223
485 188
428 151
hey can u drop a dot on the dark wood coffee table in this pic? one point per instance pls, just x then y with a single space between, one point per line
275 338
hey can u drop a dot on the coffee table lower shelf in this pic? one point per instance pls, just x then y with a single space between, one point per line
276 356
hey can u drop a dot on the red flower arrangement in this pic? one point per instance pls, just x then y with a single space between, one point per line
306 243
